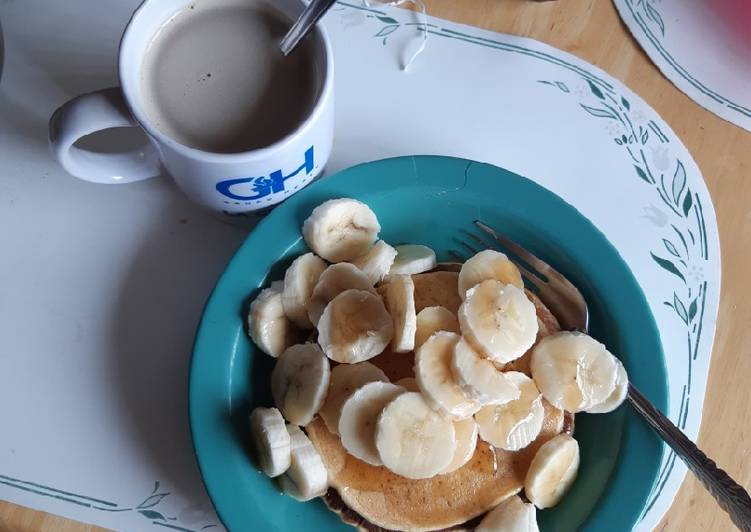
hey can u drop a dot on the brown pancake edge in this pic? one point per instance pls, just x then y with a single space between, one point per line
375 499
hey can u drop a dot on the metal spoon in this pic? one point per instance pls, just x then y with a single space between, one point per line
307 19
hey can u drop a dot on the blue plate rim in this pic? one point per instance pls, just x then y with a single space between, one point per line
271 217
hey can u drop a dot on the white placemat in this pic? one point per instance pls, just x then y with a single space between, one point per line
703 47
107 283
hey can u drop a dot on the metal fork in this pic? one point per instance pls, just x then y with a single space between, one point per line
566 302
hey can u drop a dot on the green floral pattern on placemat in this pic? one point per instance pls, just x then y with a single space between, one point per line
684 240
148 507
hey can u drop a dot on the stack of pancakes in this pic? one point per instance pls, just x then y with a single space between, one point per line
373 498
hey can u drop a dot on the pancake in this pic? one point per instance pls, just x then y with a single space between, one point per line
547 323
349 516
395 365
393 502
437 289
545 319
375 499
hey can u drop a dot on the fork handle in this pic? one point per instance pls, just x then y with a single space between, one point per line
730 496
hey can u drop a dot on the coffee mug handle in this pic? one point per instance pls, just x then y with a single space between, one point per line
88 114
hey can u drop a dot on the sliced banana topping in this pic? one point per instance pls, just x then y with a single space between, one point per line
399 295
354 327
413 258
306 477
488 264
615 399
345 379
333 281
299 281
376 263
436 380
270 440
299 382
466 441
430 320
268 325
357 424
552 471
512 515
574 371
341 229
479 378
474 321
498 320
412 439
514 425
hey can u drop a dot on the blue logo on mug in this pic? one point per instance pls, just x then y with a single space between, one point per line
262 186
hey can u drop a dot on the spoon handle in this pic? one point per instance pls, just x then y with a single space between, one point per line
307 19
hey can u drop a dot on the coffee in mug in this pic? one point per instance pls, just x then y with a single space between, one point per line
213 77
237 126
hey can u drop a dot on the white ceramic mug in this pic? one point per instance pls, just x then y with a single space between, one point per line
230 183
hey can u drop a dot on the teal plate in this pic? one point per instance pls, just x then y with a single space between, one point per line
428 200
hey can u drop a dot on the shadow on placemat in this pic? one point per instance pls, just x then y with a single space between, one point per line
158 308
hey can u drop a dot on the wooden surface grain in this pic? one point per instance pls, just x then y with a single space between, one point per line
592 30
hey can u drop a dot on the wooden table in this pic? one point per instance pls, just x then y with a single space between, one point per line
592 30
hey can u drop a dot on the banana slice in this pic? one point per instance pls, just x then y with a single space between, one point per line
270 440
498 320
413 440
376 263
466 442
552 471
299 281
615 399
333 281
345 379
357 424
514 425
341 229
299 382
430 320
278 286
479 378
268 325
512 515
399 294
409 384
306 477
574 371
354 327
413 258
436 378
485 265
